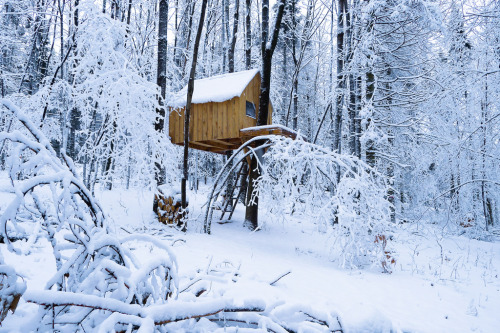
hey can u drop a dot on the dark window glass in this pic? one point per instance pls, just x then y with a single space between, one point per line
250 109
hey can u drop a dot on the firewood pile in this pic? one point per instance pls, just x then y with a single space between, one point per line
168 206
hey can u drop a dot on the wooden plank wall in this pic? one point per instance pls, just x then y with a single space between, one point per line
174 129
219 121
251 94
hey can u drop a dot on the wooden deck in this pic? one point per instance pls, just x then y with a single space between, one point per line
221 146
251 132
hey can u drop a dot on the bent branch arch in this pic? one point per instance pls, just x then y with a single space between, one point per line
223 176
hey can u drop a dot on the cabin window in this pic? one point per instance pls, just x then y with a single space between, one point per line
250 109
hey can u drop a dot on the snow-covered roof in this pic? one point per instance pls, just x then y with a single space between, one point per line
218 88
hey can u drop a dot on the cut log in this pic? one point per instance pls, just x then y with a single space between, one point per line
168 206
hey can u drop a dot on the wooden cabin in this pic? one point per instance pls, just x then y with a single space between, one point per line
221 107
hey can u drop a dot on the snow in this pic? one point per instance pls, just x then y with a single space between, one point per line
66 298
218 88
9 286
455 289
169 191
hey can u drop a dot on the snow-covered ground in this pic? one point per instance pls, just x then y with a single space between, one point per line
438 284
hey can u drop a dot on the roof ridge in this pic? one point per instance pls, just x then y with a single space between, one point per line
218 88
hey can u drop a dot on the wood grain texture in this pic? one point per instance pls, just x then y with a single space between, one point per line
215 126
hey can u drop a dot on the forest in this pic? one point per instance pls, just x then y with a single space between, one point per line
249 166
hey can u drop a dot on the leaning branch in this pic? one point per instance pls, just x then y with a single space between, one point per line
160 314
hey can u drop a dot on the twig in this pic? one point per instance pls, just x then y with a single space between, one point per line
128 232
178 240
280 277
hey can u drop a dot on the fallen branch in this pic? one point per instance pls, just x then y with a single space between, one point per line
160 314
279 278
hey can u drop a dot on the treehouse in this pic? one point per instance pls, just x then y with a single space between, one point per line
224 109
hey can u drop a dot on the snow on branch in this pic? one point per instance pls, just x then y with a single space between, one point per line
47 191
301 177
99 284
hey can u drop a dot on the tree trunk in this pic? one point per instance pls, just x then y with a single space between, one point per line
74 113
60 8
129 12
339 101
267 46
354 84
295 103
224 36
252 201
230 56
191 7
296 64
232 45
370 144
109 161
248 39
357 120
487 209
351 105
161 78
248 65
190 91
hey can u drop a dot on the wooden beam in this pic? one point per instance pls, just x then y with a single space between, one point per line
205 147
212 144
267 131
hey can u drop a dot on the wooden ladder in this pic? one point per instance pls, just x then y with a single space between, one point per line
231 198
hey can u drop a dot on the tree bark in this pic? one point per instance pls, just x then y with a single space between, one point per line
129 12
487 206
230 56
296 64
252 202
232 45
225 29
267 46
248 39
354 84
161 78
74 113
187 111
370 144
339 101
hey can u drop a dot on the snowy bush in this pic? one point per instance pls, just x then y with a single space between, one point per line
302 177
341 194
50 194
117 103
103 114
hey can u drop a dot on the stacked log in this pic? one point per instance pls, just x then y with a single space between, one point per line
168 206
